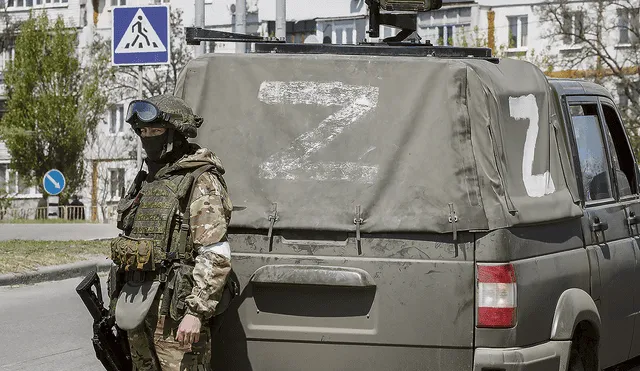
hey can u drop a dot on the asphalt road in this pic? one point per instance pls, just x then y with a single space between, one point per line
45 327
57 232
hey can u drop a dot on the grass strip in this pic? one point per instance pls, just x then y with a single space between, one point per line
18 256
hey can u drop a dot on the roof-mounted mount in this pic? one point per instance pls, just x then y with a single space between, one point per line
402 14
195 35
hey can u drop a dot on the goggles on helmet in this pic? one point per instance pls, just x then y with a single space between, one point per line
145 112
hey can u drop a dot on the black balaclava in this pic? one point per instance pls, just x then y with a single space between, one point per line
163 149
155 146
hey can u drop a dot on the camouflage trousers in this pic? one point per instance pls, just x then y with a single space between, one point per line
154 348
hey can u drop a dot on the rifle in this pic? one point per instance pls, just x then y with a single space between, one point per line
110 342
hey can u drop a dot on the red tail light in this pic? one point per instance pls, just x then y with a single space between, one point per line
496 296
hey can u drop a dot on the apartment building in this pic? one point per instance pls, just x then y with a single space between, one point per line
515 28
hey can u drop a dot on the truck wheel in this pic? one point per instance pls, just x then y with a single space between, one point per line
575 360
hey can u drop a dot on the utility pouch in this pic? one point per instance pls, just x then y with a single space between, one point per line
135 253
115 281
182 287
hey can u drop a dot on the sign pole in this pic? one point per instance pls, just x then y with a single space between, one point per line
199 22
139 149
241 23
53 184
140 35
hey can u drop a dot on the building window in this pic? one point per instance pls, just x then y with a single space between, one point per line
629 25
518 31
116 178
446 26
3 178
573 27
446 35
32 3
6 57
296 32
116 119
83 15
12 183
209 46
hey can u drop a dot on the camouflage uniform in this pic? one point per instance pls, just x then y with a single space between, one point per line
196 283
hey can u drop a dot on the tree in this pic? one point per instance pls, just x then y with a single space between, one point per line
602 45
477 38
53 102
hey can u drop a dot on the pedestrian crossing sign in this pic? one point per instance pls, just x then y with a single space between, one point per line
140 35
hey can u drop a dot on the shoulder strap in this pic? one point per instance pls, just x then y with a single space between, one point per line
137 184
185 226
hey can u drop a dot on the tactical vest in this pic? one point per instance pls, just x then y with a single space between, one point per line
155 221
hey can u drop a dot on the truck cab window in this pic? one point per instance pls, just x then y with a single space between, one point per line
621 157
591 152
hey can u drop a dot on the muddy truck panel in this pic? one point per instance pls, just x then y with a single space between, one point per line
350 308
391 212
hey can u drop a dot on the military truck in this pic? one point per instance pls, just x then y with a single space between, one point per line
404 206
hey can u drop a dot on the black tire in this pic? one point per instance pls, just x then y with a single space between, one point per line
576 362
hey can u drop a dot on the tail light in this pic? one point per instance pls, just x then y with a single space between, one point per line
496 296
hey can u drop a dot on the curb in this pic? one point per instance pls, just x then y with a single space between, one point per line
56 273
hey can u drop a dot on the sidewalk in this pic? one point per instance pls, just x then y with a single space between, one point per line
58 232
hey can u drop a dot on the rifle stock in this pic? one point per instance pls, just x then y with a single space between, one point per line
109 342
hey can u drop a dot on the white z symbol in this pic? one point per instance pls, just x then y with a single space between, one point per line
526 108
355 101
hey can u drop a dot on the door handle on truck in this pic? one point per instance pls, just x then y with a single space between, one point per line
632 219
597 225
312 275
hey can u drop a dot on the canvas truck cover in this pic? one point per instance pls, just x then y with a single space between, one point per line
406 139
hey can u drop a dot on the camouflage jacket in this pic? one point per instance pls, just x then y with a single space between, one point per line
210 213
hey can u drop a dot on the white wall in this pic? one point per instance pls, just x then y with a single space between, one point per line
298 10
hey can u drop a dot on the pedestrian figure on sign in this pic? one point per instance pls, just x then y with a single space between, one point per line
140 31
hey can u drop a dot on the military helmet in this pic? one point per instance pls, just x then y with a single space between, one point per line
165 111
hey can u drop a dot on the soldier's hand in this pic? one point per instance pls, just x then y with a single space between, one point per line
189 330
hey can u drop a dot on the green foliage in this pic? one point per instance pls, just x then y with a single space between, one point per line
475 39
5 200
53 102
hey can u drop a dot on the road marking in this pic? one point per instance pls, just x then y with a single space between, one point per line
55 184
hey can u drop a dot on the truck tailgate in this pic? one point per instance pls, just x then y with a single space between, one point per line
401 304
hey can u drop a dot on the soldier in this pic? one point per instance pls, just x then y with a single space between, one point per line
172 258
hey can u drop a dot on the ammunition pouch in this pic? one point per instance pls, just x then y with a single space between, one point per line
180 285
136 254
126 213
178 288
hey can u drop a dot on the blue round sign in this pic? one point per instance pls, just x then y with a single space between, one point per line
53 182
